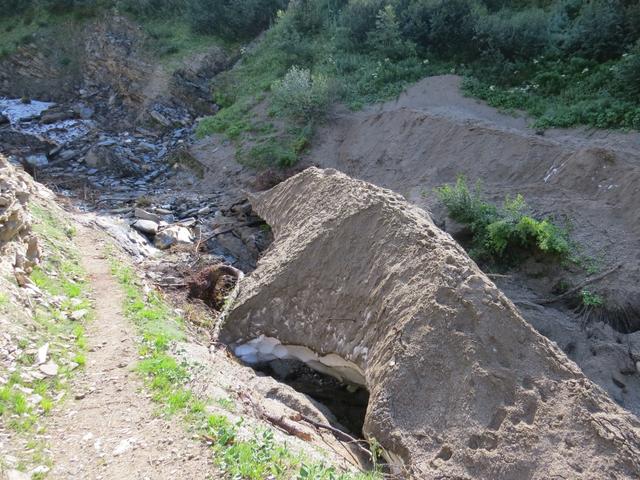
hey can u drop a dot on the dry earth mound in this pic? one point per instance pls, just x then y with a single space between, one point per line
361 284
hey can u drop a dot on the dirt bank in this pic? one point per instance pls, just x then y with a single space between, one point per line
460 385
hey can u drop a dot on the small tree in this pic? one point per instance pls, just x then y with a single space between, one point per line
386 38
301 95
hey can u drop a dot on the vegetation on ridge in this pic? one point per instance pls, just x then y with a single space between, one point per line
502 234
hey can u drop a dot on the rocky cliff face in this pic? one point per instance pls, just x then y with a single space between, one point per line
362 285
107 62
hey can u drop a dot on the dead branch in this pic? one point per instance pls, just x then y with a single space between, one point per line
578 287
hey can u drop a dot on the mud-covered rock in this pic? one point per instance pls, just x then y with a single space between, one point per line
362 284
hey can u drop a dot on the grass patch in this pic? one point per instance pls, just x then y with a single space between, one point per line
590 299
61 279
255 457
171 39
506 234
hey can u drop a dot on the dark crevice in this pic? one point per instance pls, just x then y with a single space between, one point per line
347 402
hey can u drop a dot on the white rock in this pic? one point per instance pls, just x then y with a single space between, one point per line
79 314
50 369
171 236
17 475
40 470
123 447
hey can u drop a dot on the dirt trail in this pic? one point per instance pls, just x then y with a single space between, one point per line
109 429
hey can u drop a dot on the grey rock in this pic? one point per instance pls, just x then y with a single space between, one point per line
144 215
146 226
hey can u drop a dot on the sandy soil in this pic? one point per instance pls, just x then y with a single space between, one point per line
585 178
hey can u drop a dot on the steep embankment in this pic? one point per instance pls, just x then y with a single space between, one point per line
461 386
585 179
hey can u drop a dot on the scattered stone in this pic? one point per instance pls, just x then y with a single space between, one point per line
171 236
54 117
123 446
17 475
146 226
42 354
79 314
40 470
161 119
50 369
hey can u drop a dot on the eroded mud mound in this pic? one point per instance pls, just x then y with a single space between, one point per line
460 385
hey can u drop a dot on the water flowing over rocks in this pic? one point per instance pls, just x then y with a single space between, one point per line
460 385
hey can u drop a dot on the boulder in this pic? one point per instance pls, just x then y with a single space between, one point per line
144 215
146 226
362 285
102 157
38 160
172 236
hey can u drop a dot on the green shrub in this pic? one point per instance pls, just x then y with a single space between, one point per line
515 34
357 19
441 26
9 8
599 30
232 19
386 39
590 299
628 74
301 95
310 17
502 234
154 8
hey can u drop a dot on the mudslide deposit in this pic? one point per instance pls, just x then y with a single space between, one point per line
460 385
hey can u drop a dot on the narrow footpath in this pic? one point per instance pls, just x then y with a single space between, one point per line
109 428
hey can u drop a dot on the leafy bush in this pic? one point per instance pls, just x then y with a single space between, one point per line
357 19
590 299
301 95
628 74
442 26
154 8
233 19
386 38
502 234
10 8
515 34
599 30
